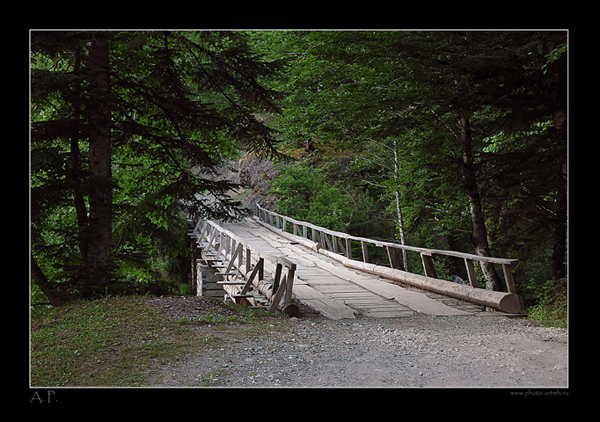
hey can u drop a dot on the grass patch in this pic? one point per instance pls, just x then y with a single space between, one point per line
552 308
120 342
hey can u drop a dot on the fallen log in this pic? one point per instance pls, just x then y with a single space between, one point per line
505 302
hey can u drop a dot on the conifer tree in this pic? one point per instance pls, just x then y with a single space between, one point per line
127 131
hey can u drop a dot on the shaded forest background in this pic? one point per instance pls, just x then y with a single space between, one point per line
446 140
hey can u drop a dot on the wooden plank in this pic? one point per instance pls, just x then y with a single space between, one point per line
340 288
331 308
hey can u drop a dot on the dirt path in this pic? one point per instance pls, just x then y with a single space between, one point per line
420 351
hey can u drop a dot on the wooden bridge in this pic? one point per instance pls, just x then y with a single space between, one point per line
270 261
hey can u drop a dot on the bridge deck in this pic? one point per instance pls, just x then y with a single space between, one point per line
334 290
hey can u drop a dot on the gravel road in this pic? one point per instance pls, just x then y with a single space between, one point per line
481 350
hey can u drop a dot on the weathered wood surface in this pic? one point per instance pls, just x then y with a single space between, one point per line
231 252
333 289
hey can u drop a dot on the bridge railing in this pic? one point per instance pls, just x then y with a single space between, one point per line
340 244
262 270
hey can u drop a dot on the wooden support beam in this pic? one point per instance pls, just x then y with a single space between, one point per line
238 250
428 265
257 270
341 246
365 251
277 278
393 257
248 260
471 272
278 294
290 284
325 241
508 277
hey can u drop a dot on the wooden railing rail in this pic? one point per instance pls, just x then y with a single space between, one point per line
340 243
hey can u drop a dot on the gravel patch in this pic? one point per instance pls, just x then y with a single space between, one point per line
420 351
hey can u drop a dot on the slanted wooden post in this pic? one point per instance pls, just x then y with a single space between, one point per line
276 278
428 265
393 257
248 260
508 277
325 240
471 272
365 251
258 269
339 243
239 251
348 248
290 284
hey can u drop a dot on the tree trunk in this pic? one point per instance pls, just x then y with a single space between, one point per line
558 76
399 209
479 236
78 199
52 294
100 195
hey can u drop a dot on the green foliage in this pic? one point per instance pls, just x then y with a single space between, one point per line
183 102
305 195
362 91
180 104
552 304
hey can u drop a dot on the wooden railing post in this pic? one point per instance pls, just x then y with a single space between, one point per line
471 272
508 277
290 284
248 260
276 278
428 265
348 248
365 251
393 257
